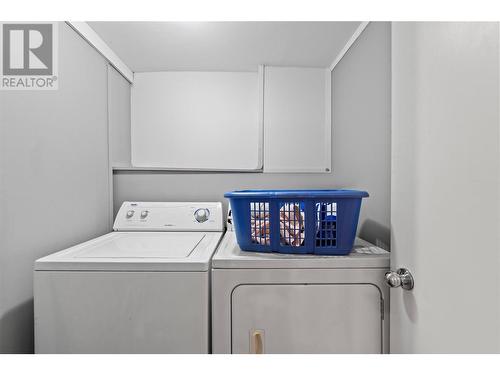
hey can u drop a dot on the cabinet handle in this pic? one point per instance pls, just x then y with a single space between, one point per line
257 342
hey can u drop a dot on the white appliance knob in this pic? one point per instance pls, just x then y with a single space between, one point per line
201 215
144 214
130 214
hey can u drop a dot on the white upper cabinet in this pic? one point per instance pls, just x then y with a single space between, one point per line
224 96
277 119
297 119
197 120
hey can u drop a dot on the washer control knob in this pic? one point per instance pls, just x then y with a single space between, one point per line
144 214
201 215
130 213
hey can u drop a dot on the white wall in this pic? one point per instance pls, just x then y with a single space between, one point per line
360 145
54 180
362 127
119 118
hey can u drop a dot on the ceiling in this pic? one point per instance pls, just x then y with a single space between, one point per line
224 46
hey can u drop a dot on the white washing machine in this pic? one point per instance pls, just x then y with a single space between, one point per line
280 303
143 288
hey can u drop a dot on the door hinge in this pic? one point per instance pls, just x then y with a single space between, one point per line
382 310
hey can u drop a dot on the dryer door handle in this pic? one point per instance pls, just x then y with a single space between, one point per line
257 341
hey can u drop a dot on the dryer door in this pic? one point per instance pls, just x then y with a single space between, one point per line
306 318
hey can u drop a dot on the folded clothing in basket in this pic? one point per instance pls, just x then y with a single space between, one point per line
260 224
292 224
292 229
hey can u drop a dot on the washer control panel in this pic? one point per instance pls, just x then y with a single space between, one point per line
169 216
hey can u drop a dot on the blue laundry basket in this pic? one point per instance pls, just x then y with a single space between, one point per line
296 221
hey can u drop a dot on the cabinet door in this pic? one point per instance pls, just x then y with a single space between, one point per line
297 119
306 318
196 120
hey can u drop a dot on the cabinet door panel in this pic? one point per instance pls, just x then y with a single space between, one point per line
297 119
306 318
196 120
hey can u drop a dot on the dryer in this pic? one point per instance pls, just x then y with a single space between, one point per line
281 303
144 288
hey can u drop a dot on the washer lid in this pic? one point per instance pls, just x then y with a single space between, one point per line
142 245
137 251
364 255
